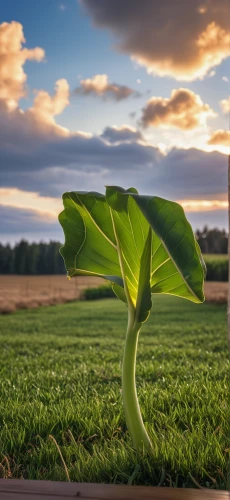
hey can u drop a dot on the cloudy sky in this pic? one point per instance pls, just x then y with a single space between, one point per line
96 92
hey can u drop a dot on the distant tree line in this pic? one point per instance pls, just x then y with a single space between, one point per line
31 258
212 240
44 258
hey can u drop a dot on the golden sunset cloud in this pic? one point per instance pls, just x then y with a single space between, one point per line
220 138
18 198
184 110
183 39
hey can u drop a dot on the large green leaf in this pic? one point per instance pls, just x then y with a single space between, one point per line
143 244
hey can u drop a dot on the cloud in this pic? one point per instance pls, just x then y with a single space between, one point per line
24 132
24 221
225 105
52 163
28 200
181 39
203 205
39 119
191 174
184 110
220 138
34 145
38 155
196 178
212 73
125 133
225 79
75 161
99 85
12 59
46 107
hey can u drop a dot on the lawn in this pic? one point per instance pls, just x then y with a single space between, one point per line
61 375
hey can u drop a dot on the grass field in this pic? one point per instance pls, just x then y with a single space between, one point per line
60 375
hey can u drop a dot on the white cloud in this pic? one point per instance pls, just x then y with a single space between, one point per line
46 107
225 105
12 59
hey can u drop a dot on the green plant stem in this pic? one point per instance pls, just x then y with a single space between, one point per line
133 416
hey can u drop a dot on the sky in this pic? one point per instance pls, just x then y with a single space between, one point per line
107 92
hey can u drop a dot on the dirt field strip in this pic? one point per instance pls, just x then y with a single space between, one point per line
216 292
27 292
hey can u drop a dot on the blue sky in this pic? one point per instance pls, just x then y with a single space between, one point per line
81 40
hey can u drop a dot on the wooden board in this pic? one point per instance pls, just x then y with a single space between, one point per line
19 489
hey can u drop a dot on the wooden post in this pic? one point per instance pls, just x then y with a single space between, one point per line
228 466
229 251
18 489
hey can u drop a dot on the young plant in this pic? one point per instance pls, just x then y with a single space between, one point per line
143 245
